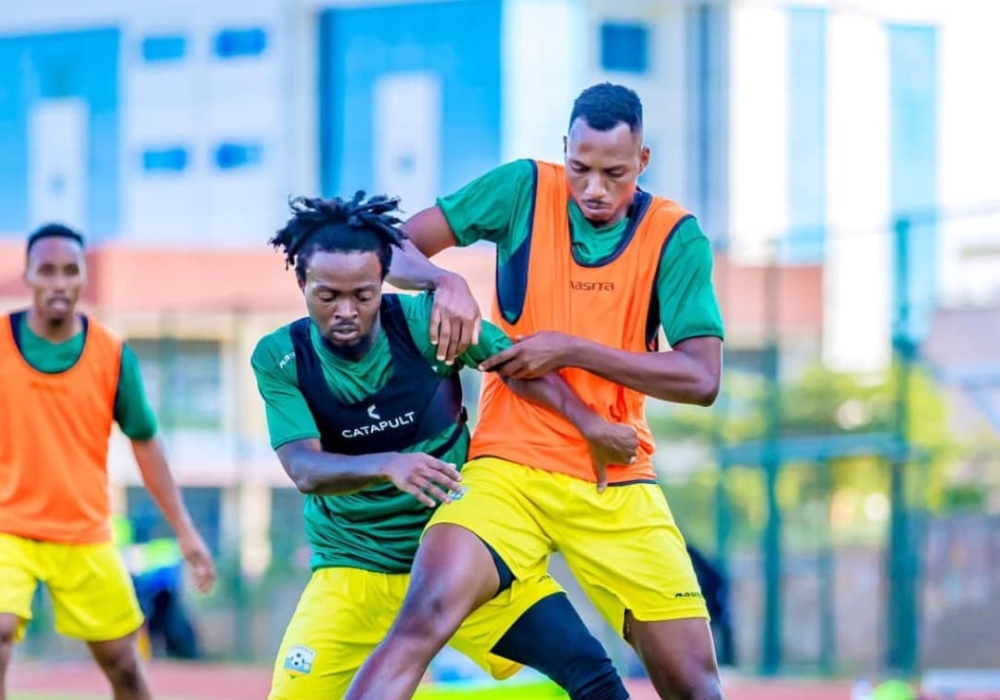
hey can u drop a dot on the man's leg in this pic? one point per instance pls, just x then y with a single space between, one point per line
93 600
679 656
119 659
9 625
452 575
628 555
19 571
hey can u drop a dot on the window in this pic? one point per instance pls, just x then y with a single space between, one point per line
624 47
161 49
229 156
183 381
169 160
234 43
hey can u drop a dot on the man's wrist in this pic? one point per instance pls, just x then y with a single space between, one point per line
586 423
442 278
572 352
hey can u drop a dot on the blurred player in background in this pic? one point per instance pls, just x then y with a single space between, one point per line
370 426
64 380
589 268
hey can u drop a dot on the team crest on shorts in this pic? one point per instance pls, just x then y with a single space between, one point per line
299 661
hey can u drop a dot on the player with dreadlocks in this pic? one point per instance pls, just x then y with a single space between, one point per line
369 425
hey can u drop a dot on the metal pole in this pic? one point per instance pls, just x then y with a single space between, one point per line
771 651
902 651
827 590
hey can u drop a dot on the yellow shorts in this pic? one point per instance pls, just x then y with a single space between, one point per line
344 614
91 591
622 545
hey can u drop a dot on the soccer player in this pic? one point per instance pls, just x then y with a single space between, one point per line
589 268
64 379
369 425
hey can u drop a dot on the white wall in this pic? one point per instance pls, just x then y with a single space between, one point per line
858 259
544 67
969 154
758 131
662 88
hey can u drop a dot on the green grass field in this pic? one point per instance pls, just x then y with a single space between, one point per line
518 693
533 691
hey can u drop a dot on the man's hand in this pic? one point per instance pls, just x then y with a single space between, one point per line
532 356
609 444
455 318
199 560
424 477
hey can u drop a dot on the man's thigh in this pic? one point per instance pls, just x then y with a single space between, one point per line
19 571
497 506
627 553
92 594
341 617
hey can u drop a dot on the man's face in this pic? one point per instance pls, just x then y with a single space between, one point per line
343 292
56 273
602 168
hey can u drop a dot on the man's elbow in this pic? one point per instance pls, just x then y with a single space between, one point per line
306 483
304 479
707 390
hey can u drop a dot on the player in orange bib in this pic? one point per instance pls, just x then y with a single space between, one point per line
589 268
64 380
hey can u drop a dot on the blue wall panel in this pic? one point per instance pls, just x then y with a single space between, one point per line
708 79
806 135
80 64
459 41
913 74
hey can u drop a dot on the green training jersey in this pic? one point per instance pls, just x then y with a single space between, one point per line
132 411
498 206
341 526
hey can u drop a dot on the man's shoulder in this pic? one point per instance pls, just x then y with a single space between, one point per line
98 331
682 226
274 353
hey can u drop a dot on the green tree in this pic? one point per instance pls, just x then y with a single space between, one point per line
818 402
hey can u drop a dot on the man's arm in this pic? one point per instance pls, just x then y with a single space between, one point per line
295 438
457 320
690 373
609 443
428 233
158 480
136 419
313 471
325 474
479 211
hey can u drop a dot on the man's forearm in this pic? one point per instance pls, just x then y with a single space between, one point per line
669 376
552 392
410 269
326 474
160 483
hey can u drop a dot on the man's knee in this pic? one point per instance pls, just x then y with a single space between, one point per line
122 666
9 625
426 620
707 687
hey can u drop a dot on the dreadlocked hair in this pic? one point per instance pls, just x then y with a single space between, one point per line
339 226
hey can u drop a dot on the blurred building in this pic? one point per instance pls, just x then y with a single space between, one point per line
172 132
